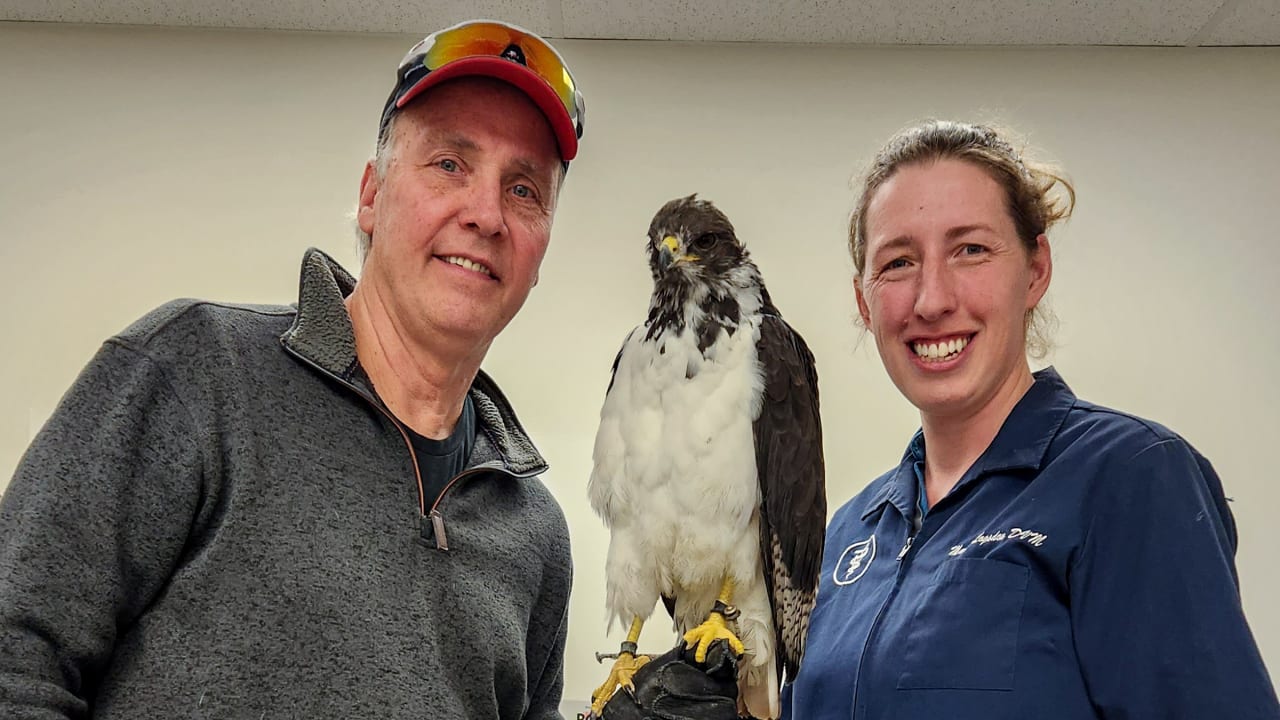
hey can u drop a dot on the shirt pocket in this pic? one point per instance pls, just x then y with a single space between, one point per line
964 634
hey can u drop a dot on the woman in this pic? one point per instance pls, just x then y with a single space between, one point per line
1033 555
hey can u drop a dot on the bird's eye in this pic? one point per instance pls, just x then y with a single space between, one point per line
704 242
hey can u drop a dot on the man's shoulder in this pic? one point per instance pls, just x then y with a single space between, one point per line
194 326
549 523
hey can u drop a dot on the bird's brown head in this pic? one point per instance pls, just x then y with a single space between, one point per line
691 240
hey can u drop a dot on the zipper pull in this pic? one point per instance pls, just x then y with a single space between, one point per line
902 553
437 524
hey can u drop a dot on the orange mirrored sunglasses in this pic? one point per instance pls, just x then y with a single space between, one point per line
476 45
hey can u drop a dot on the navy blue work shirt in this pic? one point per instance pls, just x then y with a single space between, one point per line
1083 568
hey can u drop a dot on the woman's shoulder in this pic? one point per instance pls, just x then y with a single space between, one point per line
1108 430
1125 457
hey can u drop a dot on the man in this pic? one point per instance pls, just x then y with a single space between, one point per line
320 511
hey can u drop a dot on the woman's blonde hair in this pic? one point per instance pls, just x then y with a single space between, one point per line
1028 187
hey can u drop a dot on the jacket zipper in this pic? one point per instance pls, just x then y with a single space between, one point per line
437 518
437 524
434 514
875 624
902 553
422 500
897 585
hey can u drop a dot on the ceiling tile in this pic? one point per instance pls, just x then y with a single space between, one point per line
1251 22
393 16
998 22
870 22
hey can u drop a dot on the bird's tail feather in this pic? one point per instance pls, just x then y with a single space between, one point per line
758 691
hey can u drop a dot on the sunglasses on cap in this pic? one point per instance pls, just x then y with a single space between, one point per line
499 50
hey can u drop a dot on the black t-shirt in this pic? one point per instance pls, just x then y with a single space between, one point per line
439 461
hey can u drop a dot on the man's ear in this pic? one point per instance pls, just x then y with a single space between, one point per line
365 213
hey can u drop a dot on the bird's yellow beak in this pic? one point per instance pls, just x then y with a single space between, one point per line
670 252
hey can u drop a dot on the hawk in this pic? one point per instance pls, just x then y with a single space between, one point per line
708 467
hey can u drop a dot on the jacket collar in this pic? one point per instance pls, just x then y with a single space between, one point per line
1021 444
322 336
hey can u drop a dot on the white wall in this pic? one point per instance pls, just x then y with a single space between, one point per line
140 165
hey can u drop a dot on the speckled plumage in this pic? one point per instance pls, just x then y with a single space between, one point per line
708 459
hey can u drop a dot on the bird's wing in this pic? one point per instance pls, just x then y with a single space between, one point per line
789 463
613 371
608 455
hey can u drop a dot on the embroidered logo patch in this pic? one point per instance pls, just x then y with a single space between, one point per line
854 561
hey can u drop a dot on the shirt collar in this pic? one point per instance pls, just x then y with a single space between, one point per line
1021 444
322 335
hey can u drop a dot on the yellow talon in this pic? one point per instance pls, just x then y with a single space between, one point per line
713 629
624 668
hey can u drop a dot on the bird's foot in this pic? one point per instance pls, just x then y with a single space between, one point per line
624 668
714 628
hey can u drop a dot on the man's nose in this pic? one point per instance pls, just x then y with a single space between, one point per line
482 211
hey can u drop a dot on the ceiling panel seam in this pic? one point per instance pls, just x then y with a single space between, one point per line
1222 13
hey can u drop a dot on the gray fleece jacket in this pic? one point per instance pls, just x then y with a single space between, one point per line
220 520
